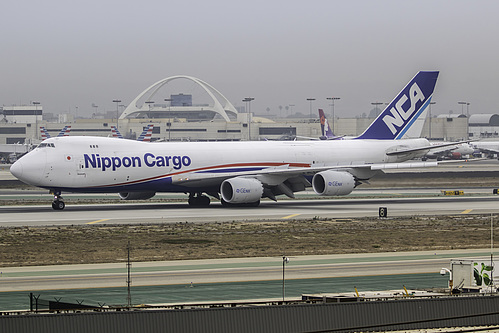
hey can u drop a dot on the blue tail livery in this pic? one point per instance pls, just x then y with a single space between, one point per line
404 116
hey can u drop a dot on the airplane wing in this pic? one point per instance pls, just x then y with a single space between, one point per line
281 173
431 147
488 150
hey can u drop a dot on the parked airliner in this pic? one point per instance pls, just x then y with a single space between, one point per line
237 173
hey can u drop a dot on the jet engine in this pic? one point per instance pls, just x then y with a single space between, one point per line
241 190
136 195
333 183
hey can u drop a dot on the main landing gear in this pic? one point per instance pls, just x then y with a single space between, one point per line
198 200
58 203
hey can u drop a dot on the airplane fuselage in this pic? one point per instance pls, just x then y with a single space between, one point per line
97 164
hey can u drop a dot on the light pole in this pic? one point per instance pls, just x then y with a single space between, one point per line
117 110
36 118
310 100
332 99
462 106
431 103
149 103
285 260
169 100
376 107
467 116
248 100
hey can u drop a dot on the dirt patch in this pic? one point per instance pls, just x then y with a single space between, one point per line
23 246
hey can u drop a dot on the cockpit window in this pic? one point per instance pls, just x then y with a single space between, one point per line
44 145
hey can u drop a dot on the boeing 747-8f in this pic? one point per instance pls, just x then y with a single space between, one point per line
237 173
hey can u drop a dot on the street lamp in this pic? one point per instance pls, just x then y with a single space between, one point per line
248 100
376 107
169 100
310 100
36 118
285 260
149 103
462 106
467 114
117 110
332 99
431 103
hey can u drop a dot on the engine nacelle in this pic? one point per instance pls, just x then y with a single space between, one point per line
136 195
241 190
333 183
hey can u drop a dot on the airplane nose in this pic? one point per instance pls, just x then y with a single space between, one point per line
17 169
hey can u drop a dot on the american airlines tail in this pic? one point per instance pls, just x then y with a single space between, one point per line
65 131
116 133
45 134
404 117
146 134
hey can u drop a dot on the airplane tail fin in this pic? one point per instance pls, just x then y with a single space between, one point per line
44 133
65 131
326 132
404 117
116 133
146 134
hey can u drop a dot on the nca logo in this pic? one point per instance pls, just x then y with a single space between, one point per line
399 114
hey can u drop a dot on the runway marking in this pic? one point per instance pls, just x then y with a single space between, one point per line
466 211
93 222
290 216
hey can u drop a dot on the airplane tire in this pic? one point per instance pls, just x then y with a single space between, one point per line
58 205
201 201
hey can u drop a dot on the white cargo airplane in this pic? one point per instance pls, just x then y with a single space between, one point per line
238 173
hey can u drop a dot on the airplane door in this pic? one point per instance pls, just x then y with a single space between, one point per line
80 172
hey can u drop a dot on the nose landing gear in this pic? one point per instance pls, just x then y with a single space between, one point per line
58 203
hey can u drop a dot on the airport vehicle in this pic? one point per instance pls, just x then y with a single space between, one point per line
237 173
45 134
144 136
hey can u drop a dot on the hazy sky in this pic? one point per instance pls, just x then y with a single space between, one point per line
68 53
